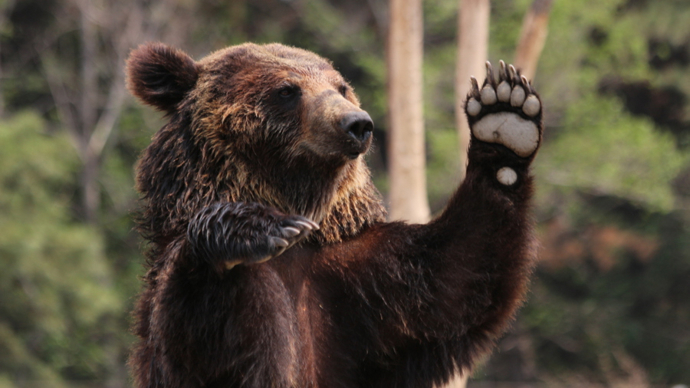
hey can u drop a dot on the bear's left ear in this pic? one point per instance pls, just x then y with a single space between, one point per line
160 75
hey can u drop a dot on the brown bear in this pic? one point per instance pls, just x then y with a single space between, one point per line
271 264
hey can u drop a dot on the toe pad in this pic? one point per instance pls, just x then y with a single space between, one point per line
510 130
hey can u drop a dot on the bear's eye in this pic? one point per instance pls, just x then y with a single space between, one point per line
288 91
343 90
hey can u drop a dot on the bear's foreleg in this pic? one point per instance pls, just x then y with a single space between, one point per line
484 237
227 234
432 298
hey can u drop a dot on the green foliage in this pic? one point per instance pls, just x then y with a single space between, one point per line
603 168
603 150
590 318
56 295
66 287
587 40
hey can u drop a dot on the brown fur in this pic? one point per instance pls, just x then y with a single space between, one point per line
345 194
360 302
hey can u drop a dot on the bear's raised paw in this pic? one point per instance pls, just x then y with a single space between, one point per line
506 111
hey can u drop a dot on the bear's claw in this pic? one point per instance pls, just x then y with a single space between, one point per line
289 231
249 232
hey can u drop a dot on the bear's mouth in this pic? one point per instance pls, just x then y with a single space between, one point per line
358 146
359 127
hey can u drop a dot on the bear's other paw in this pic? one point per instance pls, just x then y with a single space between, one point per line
506 111
228 234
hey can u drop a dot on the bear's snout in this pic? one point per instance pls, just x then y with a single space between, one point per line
335 127
358 125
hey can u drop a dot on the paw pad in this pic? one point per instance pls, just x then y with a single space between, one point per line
504 91
506 176
517 96
505 111
473 107
532 106
488 95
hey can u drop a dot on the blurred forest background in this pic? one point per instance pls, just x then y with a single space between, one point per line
610 303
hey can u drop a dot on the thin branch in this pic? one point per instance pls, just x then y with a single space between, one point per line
63 104
89 77
380 12
108 119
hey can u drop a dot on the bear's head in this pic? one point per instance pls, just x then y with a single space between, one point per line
263 123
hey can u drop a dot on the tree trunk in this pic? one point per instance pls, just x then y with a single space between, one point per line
408 196
532 37
473 47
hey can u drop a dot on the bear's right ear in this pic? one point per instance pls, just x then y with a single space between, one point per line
160 75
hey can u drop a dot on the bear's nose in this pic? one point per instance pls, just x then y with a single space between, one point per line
358 125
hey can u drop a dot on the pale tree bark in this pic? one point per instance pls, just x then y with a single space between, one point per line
532 37
408 195
473 47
